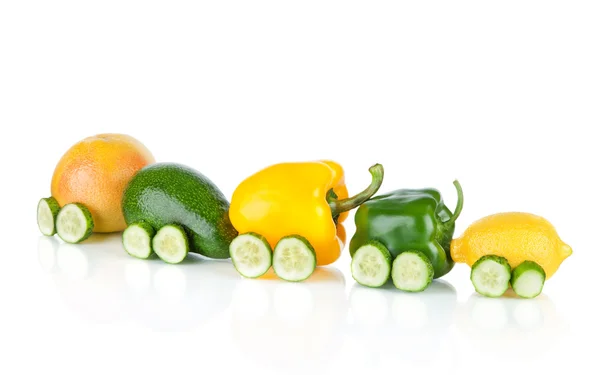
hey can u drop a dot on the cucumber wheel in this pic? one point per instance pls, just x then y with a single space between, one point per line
528 279
251 254
74 223
47 211
412 271
137 240
490 275
294 258
371 264
171 243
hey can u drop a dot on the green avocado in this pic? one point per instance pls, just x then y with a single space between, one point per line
170 193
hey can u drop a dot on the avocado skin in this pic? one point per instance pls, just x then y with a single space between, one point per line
171 193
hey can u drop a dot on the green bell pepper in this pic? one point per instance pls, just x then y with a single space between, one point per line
410 219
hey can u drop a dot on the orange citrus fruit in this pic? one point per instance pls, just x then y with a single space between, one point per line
95 172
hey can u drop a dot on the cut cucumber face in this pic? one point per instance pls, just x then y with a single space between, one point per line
294 258
251 254
412 271
74 223
371 265
137 240
528 279
490 275
47 211
171 243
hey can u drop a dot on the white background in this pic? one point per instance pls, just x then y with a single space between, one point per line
502 95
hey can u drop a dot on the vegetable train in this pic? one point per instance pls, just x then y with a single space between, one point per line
289 217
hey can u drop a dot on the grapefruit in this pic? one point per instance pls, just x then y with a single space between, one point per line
95 172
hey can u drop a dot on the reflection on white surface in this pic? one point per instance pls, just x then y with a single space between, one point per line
292 302
102 284
287 327
170 283
520 329
488 314
368 308
401 329
290 327
250 300
138 276
47 247
72 261
529 314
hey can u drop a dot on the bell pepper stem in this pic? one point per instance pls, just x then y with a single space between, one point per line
343 205
459 204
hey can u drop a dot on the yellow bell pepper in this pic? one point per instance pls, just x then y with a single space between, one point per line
309 199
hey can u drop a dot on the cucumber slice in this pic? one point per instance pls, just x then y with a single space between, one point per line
528 279
490 275
137 240
371 264
251 254
294 258
74 223
412 271
47 211
171 243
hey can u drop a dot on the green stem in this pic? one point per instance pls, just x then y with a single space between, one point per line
343 205
459 204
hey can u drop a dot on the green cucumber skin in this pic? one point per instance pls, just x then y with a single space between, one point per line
430 271
525 266
264 241
304 241
54 208
293 281
498 259
166 193
382 248
387 256
147 228
259 237
88 220
374 285
186 241
308 245
149 231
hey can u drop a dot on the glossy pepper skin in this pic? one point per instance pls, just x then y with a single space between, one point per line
309 199
410 219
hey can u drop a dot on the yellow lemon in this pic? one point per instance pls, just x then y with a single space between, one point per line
517 236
